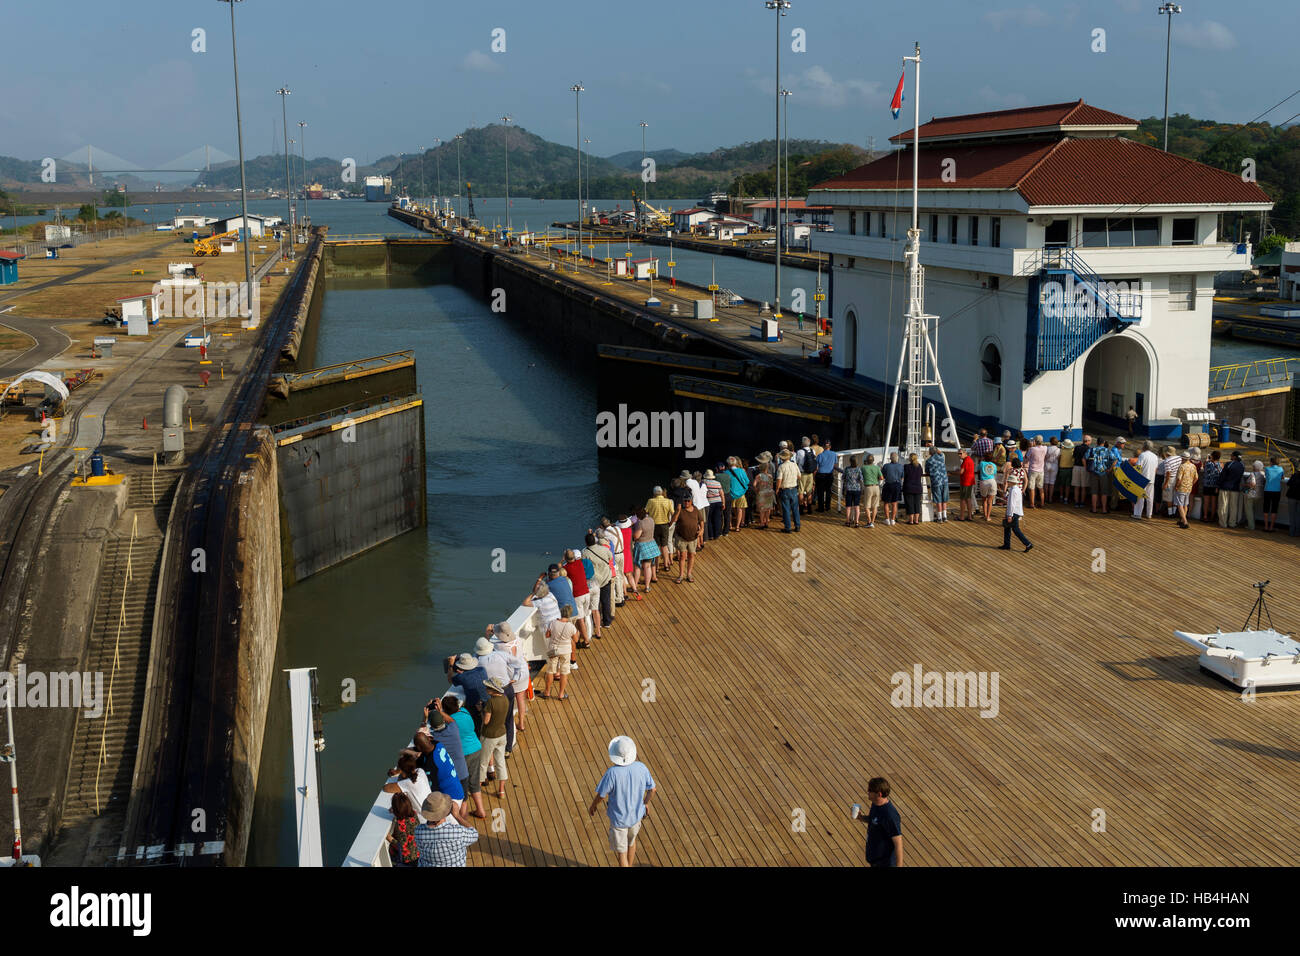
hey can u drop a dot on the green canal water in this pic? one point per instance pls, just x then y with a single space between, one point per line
511 464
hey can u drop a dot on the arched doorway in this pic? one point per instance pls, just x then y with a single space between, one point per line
990 402
1117 374
847 347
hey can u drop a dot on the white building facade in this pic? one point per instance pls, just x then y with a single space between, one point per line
1071 269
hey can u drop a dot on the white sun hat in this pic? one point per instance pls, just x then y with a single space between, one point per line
622 751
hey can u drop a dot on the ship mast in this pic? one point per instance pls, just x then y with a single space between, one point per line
918 353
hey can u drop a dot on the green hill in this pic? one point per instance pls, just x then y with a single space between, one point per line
1274 149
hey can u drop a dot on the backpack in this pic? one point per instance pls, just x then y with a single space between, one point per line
809 465
1099 460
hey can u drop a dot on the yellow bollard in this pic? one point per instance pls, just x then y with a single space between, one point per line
40 465
191 417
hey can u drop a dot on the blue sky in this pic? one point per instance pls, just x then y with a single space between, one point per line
375 78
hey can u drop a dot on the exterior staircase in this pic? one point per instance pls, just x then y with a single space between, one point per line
1070 308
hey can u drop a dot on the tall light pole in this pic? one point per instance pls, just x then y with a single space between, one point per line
578 89
783 217
302 145
284 117
243 184
421 149
1168 9
437 159
644 184
586 141
459 137
780 6
505 122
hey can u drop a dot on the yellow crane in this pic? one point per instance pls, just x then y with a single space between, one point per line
211 246
657 216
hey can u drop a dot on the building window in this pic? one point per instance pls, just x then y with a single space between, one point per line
974 230
851 261
952 229
1057 233
1116 405
934 228
1094 233
993 283
1182 293
1146 231
853 223
992 362
995 232
1184 232
882 225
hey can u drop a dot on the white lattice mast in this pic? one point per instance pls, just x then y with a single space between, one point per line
917 354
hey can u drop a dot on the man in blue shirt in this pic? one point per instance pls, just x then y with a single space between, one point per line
884 827
561 587
826 462
466 673
629 787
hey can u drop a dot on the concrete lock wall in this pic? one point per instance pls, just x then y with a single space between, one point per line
344 490
257 576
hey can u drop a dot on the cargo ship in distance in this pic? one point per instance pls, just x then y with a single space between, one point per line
379 188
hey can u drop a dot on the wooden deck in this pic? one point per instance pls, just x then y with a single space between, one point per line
772 699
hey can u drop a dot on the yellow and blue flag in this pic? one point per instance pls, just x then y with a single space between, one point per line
1129 481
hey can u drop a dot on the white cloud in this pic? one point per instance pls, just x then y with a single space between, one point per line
1204 35
479 62
1029 16
817 88
1002 101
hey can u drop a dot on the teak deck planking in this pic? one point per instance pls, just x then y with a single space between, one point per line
773 698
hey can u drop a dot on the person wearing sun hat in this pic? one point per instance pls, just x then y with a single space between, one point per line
442 840
629 788
493 735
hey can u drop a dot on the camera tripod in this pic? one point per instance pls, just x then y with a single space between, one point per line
1260 608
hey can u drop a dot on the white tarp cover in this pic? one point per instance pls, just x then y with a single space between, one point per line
48 378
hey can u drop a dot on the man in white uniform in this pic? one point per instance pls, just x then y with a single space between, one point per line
1147 462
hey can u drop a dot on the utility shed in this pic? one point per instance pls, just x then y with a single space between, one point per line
9 266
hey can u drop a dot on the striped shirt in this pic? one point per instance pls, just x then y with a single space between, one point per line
713 488
982 447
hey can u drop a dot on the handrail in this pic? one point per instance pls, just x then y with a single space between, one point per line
1270 369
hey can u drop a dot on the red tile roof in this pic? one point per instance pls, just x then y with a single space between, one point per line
12 256
1052 116
1106 171
792 204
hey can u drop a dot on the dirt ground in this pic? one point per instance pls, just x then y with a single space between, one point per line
77 308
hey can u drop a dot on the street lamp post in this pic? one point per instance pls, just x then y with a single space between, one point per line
586 141
644 192
782 217
437 160
284 117
505 121
243 184
578 89
302 145
459 137
1168 9
421 148
780 6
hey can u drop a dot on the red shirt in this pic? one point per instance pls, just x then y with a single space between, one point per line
967 471
577 577
627 548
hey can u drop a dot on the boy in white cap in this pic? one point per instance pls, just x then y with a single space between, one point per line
629 787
